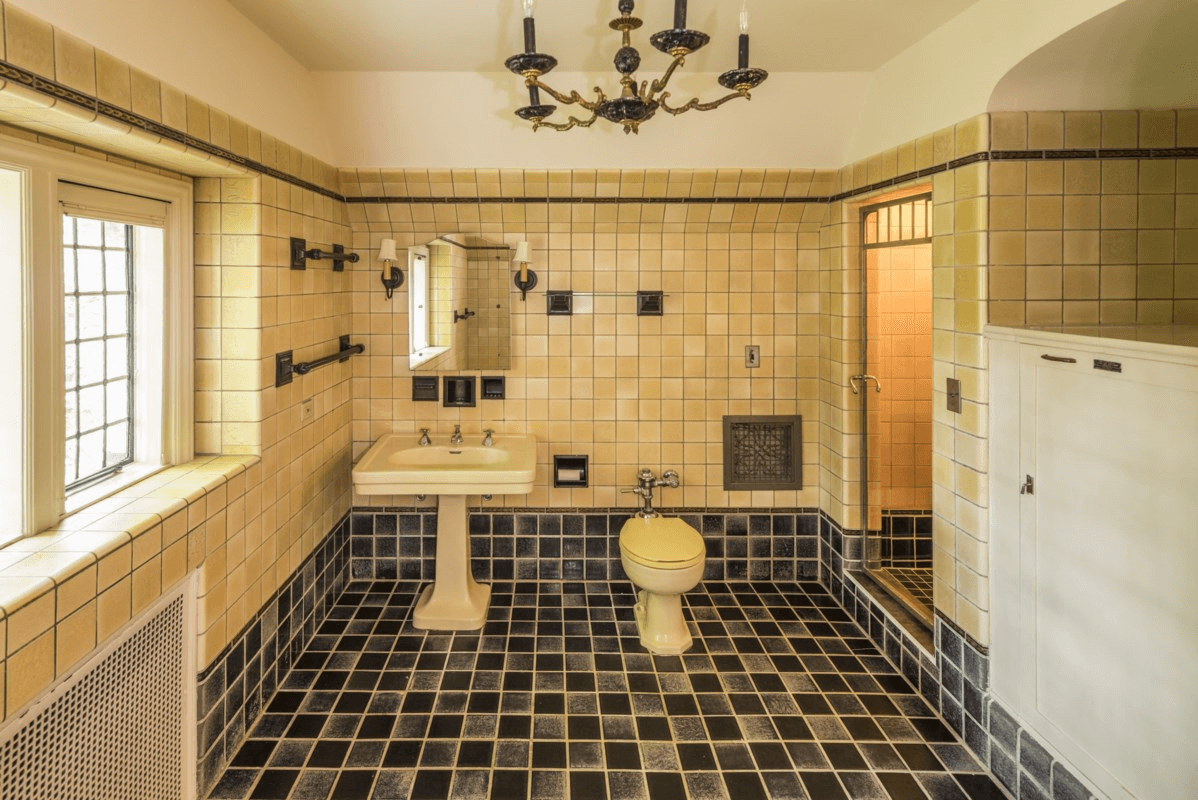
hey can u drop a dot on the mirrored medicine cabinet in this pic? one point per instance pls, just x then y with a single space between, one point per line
459 304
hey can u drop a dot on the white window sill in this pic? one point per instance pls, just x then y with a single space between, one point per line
129 475
426 355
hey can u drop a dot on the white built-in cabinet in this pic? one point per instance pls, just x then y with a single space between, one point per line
1094 554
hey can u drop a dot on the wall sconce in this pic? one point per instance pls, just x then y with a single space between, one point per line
392 278
525 279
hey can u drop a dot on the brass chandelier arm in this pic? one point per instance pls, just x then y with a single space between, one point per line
570 99
695 104
574 122
661 82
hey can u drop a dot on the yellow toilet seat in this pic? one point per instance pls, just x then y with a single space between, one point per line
661 542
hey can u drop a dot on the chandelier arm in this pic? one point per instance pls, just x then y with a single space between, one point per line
570 99
695 104
661 82
574 122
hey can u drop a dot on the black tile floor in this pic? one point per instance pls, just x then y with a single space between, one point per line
781 697
916 580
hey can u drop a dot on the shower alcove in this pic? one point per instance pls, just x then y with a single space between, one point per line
895 391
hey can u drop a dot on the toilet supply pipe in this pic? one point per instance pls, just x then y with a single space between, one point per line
646 483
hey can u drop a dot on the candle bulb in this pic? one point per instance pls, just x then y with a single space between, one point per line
679 14
743 50
530 29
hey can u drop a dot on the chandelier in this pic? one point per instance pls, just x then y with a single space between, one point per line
636 104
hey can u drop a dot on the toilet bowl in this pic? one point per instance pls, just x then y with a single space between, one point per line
663 557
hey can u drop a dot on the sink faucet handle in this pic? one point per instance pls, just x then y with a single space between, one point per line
424 440
457 435
488 440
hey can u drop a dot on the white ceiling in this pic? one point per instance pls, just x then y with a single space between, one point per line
476 36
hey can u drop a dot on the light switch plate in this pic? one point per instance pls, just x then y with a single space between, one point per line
306 412
752 356
953 387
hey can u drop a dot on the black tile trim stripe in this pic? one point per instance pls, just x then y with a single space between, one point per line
31 80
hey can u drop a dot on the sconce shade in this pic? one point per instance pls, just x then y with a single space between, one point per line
387 250
523 255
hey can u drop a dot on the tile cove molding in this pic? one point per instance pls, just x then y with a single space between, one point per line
37 83
41 85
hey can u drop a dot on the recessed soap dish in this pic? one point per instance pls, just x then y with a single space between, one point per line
493 387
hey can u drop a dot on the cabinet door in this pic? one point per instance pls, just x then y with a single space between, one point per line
1108 552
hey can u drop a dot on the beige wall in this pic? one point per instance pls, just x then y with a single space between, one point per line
629 391
246 524
1088 242
249 305
202 47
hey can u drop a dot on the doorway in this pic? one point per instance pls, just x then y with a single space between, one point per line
895 387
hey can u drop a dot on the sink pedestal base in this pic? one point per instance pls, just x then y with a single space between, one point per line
455 601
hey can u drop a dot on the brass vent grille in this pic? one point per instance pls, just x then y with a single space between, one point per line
763 453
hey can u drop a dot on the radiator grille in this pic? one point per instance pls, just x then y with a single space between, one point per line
113 731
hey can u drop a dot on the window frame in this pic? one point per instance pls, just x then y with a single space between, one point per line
42 169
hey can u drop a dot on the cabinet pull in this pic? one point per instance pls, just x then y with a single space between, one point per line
1061 359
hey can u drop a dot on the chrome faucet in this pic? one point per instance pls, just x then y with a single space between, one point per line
488 441
424 440
457 435
646 483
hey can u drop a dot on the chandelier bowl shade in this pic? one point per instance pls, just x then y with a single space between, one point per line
678 41
750 77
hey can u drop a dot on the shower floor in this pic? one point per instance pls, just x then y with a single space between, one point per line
916 580
782 696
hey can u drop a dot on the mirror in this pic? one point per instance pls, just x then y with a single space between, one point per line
459 305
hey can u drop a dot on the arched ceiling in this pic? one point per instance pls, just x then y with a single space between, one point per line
1140 54
477 35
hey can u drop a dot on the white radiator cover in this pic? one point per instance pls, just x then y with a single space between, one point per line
120 727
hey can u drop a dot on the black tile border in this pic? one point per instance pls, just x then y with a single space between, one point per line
236 687
535 544
31 80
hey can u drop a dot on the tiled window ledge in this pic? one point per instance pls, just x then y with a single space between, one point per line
66 590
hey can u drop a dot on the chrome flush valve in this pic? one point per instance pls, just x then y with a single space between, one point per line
646 483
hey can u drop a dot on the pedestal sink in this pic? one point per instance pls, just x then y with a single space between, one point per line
398 464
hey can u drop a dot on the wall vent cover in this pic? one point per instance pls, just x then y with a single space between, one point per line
113 729
763 453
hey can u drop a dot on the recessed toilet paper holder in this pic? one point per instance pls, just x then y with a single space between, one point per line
570 471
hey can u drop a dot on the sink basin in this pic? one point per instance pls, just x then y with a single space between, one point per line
396 464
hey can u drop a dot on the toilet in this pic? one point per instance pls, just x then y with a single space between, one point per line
663 557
